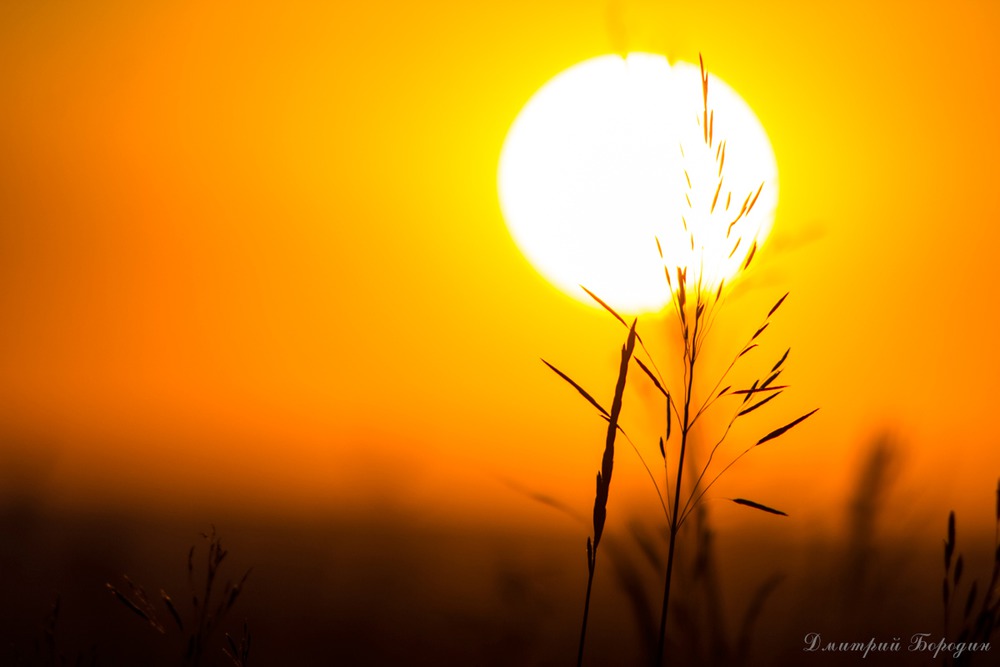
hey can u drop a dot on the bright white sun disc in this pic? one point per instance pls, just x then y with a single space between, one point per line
592 170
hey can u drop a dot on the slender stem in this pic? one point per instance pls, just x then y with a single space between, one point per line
691 343
586 611
704 470
701 494
649 472
666 595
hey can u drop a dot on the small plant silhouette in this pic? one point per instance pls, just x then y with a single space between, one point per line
977 626
208 607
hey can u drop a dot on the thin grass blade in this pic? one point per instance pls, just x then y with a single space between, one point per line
784 429
652 377
605 305
775 306
949 545
758 404
172 609
580 389
755 197
769 380
121 597
971 600
753 250
758 506
758 389
669 410
781 361
750 392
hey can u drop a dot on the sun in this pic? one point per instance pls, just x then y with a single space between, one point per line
613 155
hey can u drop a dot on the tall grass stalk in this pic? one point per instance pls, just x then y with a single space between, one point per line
604 474
695 299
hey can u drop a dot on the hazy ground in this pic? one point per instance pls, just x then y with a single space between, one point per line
398 589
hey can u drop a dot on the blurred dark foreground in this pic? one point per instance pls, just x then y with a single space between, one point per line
390 588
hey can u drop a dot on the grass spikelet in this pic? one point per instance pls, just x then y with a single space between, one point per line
750 207
238 651
771 378
131 606
172 609
781 361
758 506
753 249
784 429
746 202
758 404
669 410
203 620
757 390
607 462
775 307
735 247
748 393
604 481
976 626
732 224
949 545
704 94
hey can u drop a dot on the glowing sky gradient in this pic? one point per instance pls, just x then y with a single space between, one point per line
258 248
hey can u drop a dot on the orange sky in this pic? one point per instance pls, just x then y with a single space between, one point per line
256 252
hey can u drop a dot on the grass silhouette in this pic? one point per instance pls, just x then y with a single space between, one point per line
980 616
209 607
695 299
